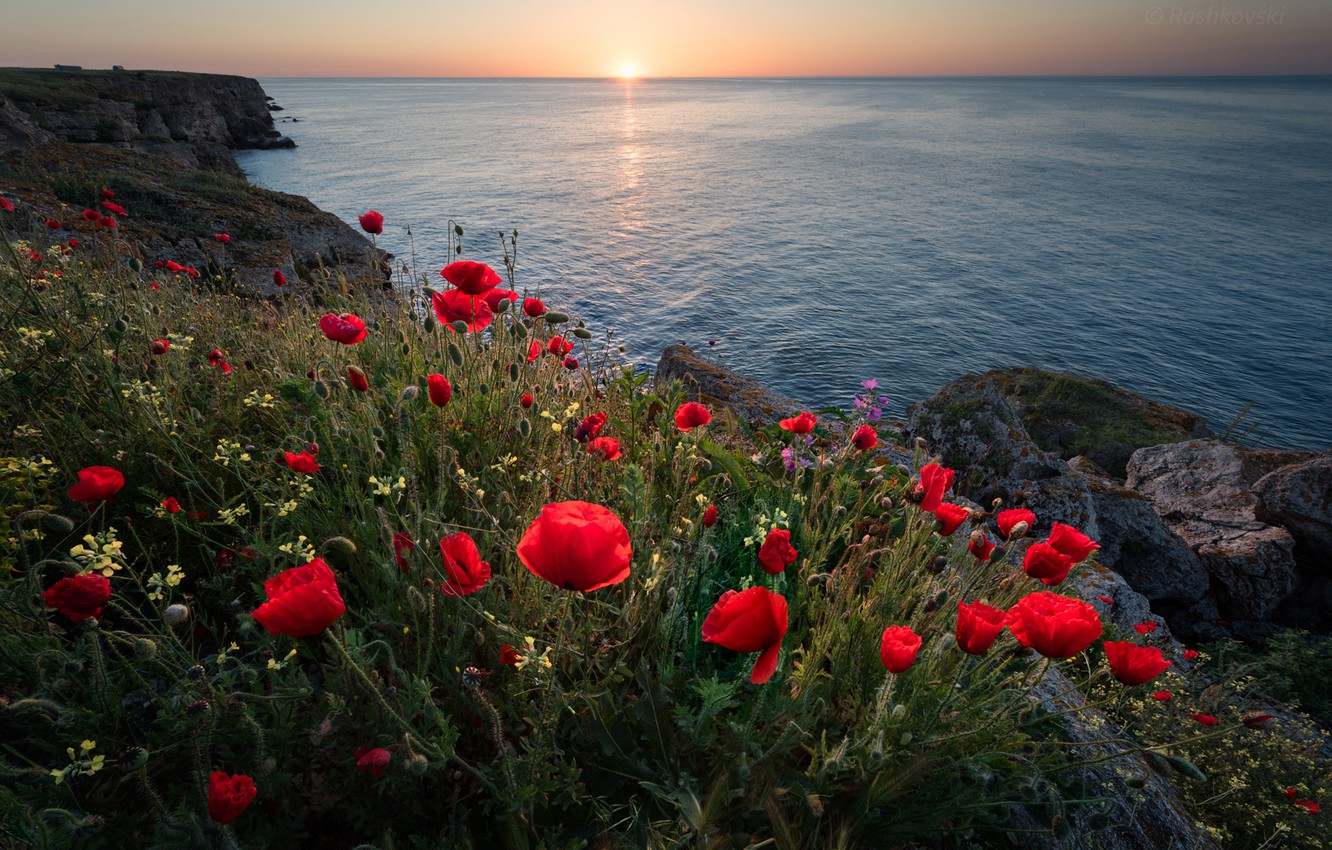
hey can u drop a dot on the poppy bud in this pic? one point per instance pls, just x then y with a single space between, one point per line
455 354
134 758
409 393
457 230
939 564
557 318
524 427
520 330
119 326
460 326
174 615
582 333
417 764
197 707
571 363
357 379
341 545
135 264
144 649
502 306
321 389
429 324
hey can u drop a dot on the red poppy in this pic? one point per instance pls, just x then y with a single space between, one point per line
950 517
161 346
6 205
303 462
114 207
495 296
934 482
559 346
751 620
1308 805
533 307
372 761
1053 625
865 438
1133 664
577 546
606 448
570 363
73 243
1144 628
371 222
471 278
776 553
1071 542
225 367
440 390
691 415
1190 654
222 237
467 573
978 625
981 546
347 329
1008 520
1106 599
52 224
456 305
1163 696
802 424
107 222
526 400
108 194
533 351
1256 718
92 215
1290 793
302 601
96 484
229 795
1046 563
279 279
1204 719
79 597
215 356
171 505
898 648
402 542
590 427
356 377
710 516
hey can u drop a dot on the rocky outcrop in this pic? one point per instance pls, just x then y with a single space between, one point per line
193 120
1298 497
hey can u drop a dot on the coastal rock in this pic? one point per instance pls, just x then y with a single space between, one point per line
1201 489
1298 497
18 132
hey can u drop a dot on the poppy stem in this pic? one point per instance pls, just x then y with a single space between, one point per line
383 703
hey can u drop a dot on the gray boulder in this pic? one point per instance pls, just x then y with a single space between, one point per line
1298 497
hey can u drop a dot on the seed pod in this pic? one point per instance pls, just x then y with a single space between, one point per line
455 354
582 333
557 318
417 764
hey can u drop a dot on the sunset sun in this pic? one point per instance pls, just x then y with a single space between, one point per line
627 71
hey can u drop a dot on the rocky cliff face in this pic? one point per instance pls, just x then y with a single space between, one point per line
194 120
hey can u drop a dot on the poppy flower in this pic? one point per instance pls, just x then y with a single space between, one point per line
171 505
1008 520
6 205
710 516
303 462
981 547
1144 628
577 546
559 346
865 438
279 279
533 307
79 597
347 329
302 601
111 206
1106 599
802 424
1046 563
229 795
495 296
1308 805
934 482
1053 625
606 448
96 484
457 306
776 553
509 655
92 215
898 648
1253 719
402 542
462 562
950 517
1190 654
533 351
161 346
225 367
52 224
978 625
108 194
471 278
371 222
1290 793
590 427
526 400
1204 719
570 363
439 389
107 222
73 243
372 761
1067 540
750 620
222 237
356 377
691 415
215 356
1133 664
1163 696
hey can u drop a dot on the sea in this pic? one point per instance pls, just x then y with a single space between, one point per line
1170 235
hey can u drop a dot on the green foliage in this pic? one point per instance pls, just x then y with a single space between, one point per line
1293 667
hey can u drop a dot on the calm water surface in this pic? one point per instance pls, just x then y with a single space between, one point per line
1173 236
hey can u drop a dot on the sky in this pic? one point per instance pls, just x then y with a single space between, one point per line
682 38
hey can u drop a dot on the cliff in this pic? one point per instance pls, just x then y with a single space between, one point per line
162 143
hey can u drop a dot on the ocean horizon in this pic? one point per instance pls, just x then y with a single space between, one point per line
1167 234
